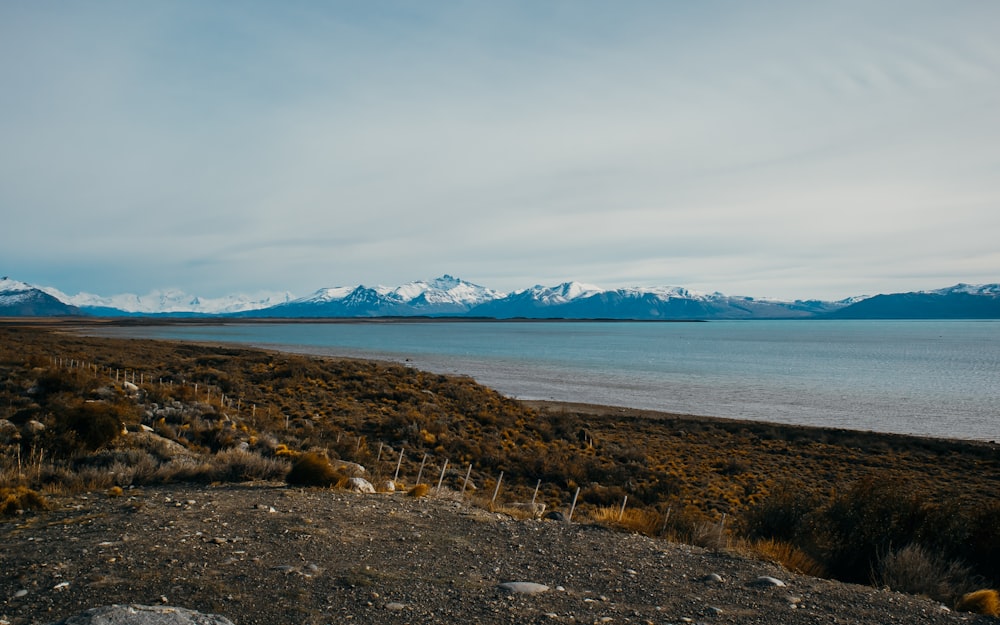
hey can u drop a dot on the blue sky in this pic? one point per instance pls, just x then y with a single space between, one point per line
782 149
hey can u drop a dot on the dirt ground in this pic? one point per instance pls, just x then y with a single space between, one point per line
267 553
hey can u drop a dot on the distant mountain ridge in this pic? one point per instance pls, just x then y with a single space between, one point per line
448 296
19 299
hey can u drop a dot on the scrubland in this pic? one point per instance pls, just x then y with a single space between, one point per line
84 415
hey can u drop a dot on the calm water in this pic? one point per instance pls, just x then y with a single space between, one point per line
935 378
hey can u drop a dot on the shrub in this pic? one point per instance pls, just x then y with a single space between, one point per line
646 522
985 602
783 515
864 521
312 469
788 556
236 465
420 490
21 498
914 570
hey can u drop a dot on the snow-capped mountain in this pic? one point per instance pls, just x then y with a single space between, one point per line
573 300
20 299
961 301
450 296
446 295
168 302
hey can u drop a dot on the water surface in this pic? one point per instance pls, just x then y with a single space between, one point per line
936 378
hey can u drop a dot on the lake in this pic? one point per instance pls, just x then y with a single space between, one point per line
930 378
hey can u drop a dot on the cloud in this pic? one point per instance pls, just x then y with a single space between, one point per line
658 143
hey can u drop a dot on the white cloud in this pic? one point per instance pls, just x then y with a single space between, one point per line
797 146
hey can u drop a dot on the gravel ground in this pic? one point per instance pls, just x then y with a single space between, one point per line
272 554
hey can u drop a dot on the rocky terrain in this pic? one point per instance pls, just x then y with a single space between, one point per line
266 553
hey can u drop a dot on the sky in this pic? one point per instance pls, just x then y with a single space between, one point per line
797 150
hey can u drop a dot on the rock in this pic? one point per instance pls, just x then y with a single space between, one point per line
360 485
766 581
395 607
34 426
712 578
143 615
388 486
352 469
555 515
526 588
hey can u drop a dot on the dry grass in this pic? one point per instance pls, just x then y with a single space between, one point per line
312 469
986 602
915 570
783 553
14 500
640 521
420 490
682 475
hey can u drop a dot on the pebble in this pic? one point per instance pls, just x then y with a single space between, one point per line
765 580
20 593
713 578
395 606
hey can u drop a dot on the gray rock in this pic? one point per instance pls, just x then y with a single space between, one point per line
526 588
360 485
765 581
351 469
143 615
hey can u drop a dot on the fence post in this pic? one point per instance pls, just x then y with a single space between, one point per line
621 513
441 479
497 489
572 506
421 471
398 463
466 482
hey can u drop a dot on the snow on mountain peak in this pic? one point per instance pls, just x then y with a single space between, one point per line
12 286
444 290
561 293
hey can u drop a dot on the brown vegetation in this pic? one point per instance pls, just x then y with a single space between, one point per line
862 507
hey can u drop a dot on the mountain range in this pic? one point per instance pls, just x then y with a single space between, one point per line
448 296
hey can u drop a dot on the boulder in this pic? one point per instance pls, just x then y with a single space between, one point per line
360 485
350 469
142 615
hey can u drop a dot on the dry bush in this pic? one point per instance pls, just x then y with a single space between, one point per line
914 570
985 602
237 465
420 490
184 470
312 469
782 515
641 521
710 535
787 555
13 500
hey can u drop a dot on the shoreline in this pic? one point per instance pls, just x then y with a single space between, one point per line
79 327
604 411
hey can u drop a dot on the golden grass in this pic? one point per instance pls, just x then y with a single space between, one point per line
20 498
986 602
783 553
640 521
420 490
